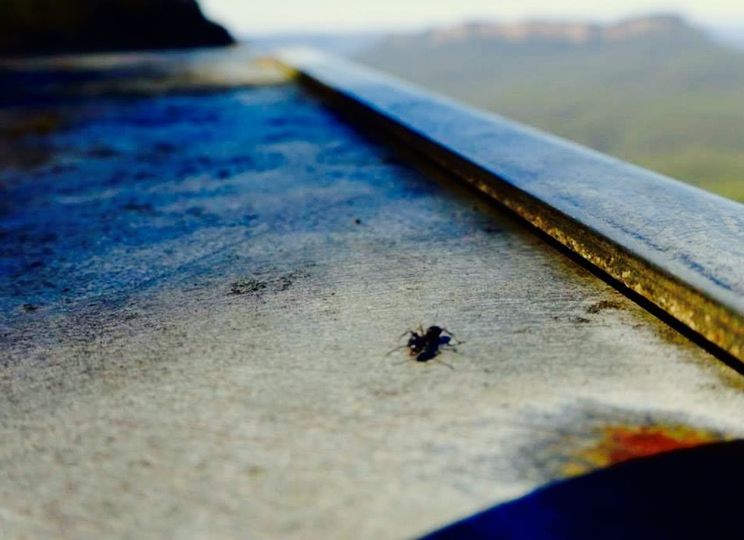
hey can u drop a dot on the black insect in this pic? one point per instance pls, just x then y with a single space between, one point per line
426 345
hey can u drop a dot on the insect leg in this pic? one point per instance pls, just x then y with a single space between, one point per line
399 347
404 334
436 359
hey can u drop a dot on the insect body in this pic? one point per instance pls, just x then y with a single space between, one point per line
426 346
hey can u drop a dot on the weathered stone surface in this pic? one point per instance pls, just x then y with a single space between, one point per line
198 293
676 246
50 26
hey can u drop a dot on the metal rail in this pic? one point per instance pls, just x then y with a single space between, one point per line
678 247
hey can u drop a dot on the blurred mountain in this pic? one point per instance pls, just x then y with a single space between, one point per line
652 90
561 33
53 26
732 36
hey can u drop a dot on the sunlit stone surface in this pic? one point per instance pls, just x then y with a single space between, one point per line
197 295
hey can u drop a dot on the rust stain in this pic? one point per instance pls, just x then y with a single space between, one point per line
618 443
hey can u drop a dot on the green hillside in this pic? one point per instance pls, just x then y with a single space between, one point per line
652 91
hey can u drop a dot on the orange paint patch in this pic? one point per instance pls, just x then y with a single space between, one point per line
624 443
621 443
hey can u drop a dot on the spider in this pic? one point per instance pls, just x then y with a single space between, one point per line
426 345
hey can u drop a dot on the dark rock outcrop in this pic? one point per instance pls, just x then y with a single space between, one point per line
53 26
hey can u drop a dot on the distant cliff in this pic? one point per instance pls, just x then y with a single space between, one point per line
653 90
556 32
50 26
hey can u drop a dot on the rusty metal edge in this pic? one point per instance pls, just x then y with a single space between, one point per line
714 322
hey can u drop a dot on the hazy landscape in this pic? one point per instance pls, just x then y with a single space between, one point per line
656 91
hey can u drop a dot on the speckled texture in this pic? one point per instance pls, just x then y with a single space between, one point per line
195 328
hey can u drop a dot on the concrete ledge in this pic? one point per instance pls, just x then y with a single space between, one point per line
678 247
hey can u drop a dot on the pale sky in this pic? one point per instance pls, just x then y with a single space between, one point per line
265 16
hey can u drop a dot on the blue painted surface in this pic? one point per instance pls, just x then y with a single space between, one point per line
692 493
132 194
